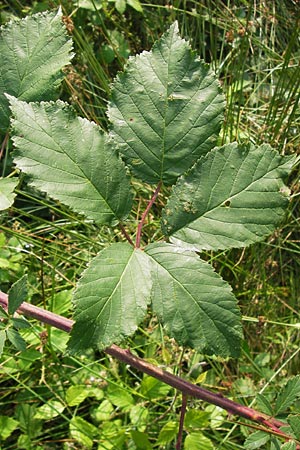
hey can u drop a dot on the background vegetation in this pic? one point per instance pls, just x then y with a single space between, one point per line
50 400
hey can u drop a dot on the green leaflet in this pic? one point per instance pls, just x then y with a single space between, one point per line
7 426
290 445
32 53
135 4
288 395
17 294
83 432
232 197
197 441
111 297
258 439
294 422
7 196
166 110
194 303
69 158
16 339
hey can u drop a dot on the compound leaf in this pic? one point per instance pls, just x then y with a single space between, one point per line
69 158
7 196
32 53
195 304
232 197
166 110
111 297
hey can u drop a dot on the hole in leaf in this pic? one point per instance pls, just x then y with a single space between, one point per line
227 204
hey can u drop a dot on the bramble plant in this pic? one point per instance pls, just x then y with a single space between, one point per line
165 112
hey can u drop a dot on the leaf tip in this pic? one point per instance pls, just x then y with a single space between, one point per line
10 98
59 12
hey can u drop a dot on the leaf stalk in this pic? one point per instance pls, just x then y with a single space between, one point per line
181 422
145 213
125 234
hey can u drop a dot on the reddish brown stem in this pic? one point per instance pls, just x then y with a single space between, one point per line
145 213
125 234
181 422
176 382
188 388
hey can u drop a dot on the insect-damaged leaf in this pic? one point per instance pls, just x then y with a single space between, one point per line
111 297
194 303
69 158
232 197
32 53
166 110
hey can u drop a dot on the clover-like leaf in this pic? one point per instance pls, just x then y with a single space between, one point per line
111 297
193 302
232 197
7 196
33 52
69 158
166 110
